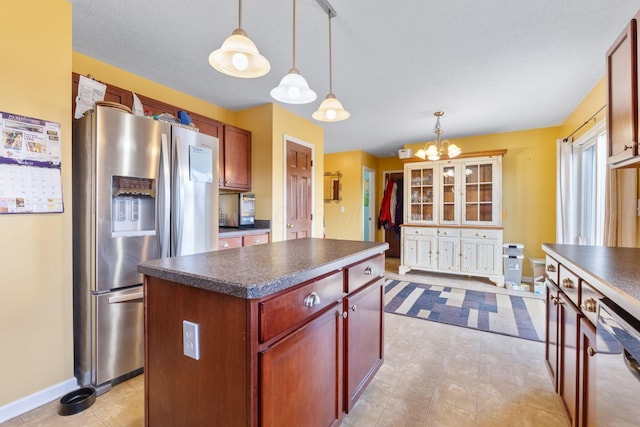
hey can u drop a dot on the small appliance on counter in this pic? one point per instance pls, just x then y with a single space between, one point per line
237 210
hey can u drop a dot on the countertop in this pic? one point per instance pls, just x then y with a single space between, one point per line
615 272
258 271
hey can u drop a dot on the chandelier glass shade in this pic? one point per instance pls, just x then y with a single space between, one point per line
238 56
293 88
434 150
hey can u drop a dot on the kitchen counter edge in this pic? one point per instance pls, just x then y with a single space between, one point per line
614 272
268 268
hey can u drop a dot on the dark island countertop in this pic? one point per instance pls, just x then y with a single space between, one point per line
258 271
614 272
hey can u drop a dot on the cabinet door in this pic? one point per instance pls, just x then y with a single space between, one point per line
622 96
363 331
300 375
448 253
587 375
235 159
448 199
420 190
481 192
418 251
568 320
478 256
551 328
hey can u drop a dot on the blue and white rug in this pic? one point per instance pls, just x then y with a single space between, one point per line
506 314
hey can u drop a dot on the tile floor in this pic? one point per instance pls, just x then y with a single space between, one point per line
433 375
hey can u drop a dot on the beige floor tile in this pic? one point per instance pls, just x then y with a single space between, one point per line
364 413
392 417
534 417
495 411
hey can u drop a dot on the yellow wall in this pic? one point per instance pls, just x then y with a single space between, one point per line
35 250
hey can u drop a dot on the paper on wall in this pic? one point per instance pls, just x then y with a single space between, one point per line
89 92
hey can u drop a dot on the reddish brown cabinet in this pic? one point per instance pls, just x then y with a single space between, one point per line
622 98
234 162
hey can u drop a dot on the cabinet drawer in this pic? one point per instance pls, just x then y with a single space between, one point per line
284 311
255 239
230 242
418 231
480 234
569 284
448 232
364 272
551 269
588 301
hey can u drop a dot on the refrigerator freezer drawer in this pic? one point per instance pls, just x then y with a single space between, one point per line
119 338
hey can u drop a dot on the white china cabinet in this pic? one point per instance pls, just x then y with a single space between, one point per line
453 216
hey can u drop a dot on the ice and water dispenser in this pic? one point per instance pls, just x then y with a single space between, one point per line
133 206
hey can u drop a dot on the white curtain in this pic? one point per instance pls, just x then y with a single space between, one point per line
567 220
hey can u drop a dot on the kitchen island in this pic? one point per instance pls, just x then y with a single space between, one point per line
288 333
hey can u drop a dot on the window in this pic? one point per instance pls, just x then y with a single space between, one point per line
591 157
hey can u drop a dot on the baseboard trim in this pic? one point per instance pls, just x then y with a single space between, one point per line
37 399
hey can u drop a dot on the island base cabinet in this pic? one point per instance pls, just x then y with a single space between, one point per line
568 318
364 325
180 390
300 375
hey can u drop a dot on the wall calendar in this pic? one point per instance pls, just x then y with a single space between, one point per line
30 166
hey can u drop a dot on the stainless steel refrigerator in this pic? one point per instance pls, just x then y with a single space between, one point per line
142 189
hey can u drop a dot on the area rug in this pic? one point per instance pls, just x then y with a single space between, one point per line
506 314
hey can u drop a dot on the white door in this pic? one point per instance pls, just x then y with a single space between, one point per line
368 204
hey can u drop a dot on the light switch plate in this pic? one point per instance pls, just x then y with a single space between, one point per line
191 339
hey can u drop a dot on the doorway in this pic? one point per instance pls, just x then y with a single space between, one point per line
391 234
298 190
368 204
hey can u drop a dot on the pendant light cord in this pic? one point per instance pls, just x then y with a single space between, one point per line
294 34
330 59
239 13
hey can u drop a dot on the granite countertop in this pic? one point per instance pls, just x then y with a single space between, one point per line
257 271
615 272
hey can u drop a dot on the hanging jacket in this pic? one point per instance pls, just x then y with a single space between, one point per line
384 218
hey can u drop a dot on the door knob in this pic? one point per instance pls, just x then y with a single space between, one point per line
289 225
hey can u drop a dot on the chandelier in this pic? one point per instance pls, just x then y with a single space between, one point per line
433 150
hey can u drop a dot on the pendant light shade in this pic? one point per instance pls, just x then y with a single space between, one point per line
293 88
238 56
330 110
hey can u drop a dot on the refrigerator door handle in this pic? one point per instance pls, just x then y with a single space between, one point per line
178 197
164 205
136 297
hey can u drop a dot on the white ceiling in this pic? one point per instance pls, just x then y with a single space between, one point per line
493 66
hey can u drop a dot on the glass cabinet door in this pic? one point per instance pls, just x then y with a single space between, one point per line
479 193
448 187
421 195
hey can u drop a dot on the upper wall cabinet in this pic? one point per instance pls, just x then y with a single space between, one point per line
234 163
622 98
466 192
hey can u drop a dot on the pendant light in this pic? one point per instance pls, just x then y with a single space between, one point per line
238 56
293 88
330 110
433 150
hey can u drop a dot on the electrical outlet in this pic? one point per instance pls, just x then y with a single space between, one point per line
191 339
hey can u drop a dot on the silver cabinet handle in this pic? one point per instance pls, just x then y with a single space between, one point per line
311 300
344 314
368 271
353 307
225 244
256 240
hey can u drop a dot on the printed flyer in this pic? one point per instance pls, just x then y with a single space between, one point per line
30 165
